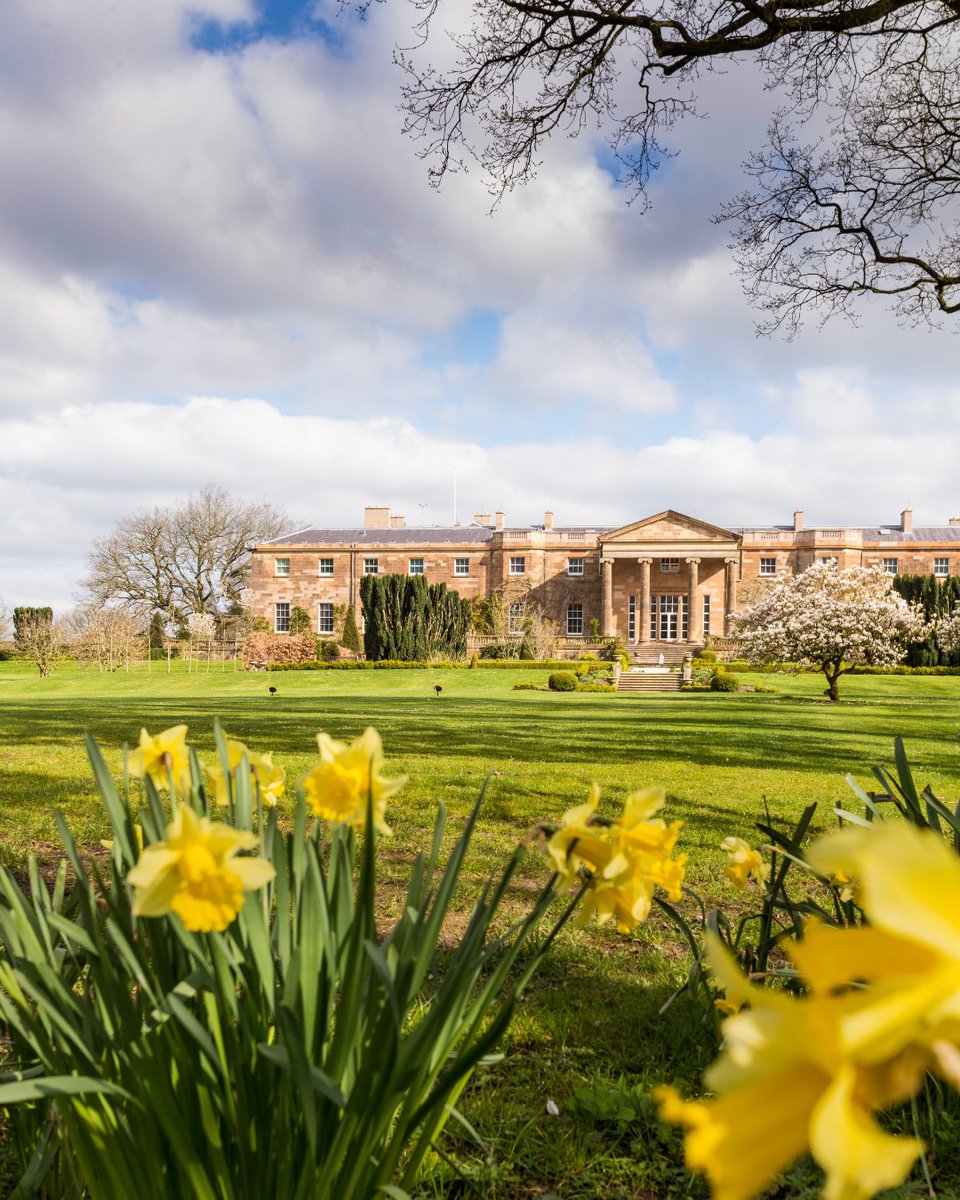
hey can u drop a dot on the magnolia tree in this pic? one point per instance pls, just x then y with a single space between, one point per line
831 619
948 631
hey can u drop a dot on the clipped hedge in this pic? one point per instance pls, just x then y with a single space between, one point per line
596 687
562 681
722 682
390 664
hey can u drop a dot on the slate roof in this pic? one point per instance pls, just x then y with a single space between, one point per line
432 535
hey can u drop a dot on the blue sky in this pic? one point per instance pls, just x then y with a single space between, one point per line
221 260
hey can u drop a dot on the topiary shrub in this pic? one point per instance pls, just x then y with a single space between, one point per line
722 682
562 681
474 660
328 651
707 656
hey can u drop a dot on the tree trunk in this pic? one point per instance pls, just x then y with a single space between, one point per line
832 690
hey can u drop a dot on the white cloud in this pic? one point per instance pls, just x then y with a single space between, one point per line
56 498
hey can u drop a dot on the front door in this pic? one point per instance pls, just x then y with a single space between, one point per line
669 611
668 617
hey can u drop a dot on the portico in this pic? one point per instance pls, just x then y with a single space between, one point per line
668 578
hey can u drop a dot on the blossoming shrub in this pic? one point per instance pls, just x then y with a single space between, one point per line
214 1012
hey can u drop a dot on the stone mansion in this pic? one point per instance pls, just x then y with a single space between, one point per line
665 578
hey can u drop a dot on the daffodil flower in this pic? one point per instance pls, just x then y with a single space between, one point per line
627 858
348 778
883 1009
164 755
197 873
270 779
744 863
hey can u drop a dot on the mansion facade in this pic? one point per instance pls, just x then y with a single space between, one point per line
665 578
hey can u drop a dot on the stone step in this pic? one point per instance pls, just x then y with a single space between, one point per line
641 682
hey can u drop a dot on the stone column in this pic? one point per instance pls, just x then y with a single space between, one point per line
607 627
643 608
694 612
730 565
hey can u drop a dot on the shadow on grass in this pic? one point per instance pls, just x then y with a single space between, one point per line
743 734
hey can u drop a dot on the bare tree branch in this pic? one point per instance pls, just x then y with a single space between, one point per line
869 211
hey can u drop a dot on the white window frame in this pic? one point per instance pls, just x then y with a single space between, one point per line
282 572
371 566
941 567
325 566
574 566
768 566
518 564
515 614
281 620
670 566
575 620
705 625
886 564
324 617
461 565
415 566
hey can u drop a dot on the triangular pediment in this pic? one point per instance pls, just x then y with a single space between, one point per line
671 528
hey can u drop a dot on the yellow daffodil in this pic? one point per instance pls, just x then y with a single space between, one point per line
744 863
107 843
196 873
785 1083
162 756
349 778
270 779
883 1009
627 858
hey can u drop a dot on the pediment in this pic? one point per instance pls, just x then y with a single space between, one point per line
671 529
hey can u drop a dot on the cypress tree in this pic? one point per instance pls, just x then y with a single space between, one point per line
407 618
350 639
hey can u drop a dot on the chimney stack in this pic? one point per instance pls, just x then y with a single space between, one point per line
906 520
498 515
798 520
548 520
482 518
398 522
954 521
376 516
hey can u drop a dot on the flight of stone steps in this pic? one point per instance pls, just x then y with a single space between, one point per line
644 675
649 681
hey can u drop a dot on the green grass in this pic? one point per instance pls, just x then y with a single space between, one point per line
592 1017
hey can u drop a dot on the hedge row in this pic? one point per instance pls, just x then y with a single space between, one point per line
519 664
740 666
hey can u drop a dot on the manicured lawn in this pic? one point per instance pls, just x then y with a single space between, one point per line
592 1016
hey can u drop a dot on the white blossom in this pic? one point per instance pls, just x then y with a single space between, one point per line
201 626
831 619
948 631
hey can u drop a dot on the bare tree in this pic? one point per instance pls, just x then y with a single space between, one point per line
869 209
193 558
107 636
4 620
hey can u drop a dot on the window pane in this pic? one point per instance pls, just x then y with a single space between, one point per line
574 619
416 566
325 618
574 566
768 566
518 564
282 566
890 565
281 617
941 566
461 566
670 565
370 566
326 566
